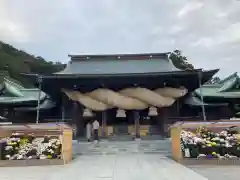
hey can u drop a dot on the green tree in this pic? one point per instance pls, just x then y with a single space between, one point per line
180 61
214 80
16 61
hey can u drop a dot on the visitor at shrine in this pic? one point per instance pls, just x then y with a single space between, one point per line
89 131
95 126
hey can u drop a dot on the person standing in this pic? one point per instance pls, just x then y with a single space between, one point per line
89 131
95 126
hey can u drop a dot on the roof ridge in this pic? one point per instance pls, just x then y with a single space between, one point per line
215 85
13 82
12 89
30 89
228 82
229 77
117 56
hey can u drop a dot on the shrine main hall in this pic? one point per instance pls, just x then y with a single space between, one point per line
130 91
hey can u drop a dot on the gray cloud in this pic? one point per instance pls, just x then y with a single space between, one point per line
206 31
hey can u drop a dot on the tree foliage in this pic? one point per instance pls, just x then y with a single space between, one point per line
17 61
180 61
214 80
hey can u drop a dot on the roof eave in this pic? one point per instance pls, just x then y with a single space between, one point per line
196 71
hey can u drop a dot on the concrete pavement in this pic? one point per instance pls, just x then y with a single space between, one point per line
218 172
134 160
107 167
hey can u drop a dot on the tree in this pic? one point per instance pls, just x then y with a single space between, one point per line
214 80
180 61
17 61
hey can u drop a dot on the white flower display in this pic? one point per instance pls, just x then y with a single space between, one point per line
29 147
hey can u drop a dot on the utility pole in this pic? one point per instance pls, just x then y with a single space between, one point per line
200 86
39 79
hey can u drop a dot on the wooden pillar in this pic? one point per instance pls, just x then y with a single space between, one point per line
129 117
78 119
2 111
104 123
159 121
74 120
63 104
10 114
137 123
13 114
163 121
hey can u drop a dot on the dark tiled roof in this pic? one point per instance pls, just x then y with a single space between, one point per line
119 64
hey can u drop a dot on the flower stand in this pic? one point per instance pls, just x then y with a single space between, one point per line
35 144
211 143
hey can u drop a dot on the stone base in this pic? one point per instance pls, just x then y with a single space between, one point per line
31 162
192 161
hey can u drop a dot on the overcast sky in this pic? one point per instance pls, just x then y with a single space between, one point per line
208 32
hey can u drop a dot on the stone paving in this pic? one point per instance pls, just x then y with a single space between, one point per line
107 167
135 160
218 172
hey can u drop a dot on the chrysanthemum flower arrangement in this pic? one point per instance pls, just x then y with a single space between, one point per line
19 147
206 144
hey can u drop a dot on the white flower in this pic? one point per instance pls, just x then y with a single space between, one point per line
43 157
221 140
229 138
8 148
20 157
51 151
58 142
8 156
197 139
208 142
223 133
227 144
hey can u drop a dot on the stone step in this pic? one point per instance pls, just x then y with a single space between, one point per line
123 147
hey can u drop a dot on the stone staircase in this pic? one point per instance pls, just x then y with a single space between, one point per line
123 147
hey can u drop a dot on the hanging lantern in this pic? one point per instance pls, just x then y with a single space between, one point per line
121 113
87 113
152 111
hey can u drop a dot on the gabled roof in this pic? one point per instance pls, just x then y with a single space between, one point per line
5 77
118 71
227 88
118 64
12 89
196 101
232 76
13 92
14 100
46 104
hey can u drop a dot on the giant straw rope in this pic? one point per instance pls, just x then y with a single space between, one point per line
128 99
